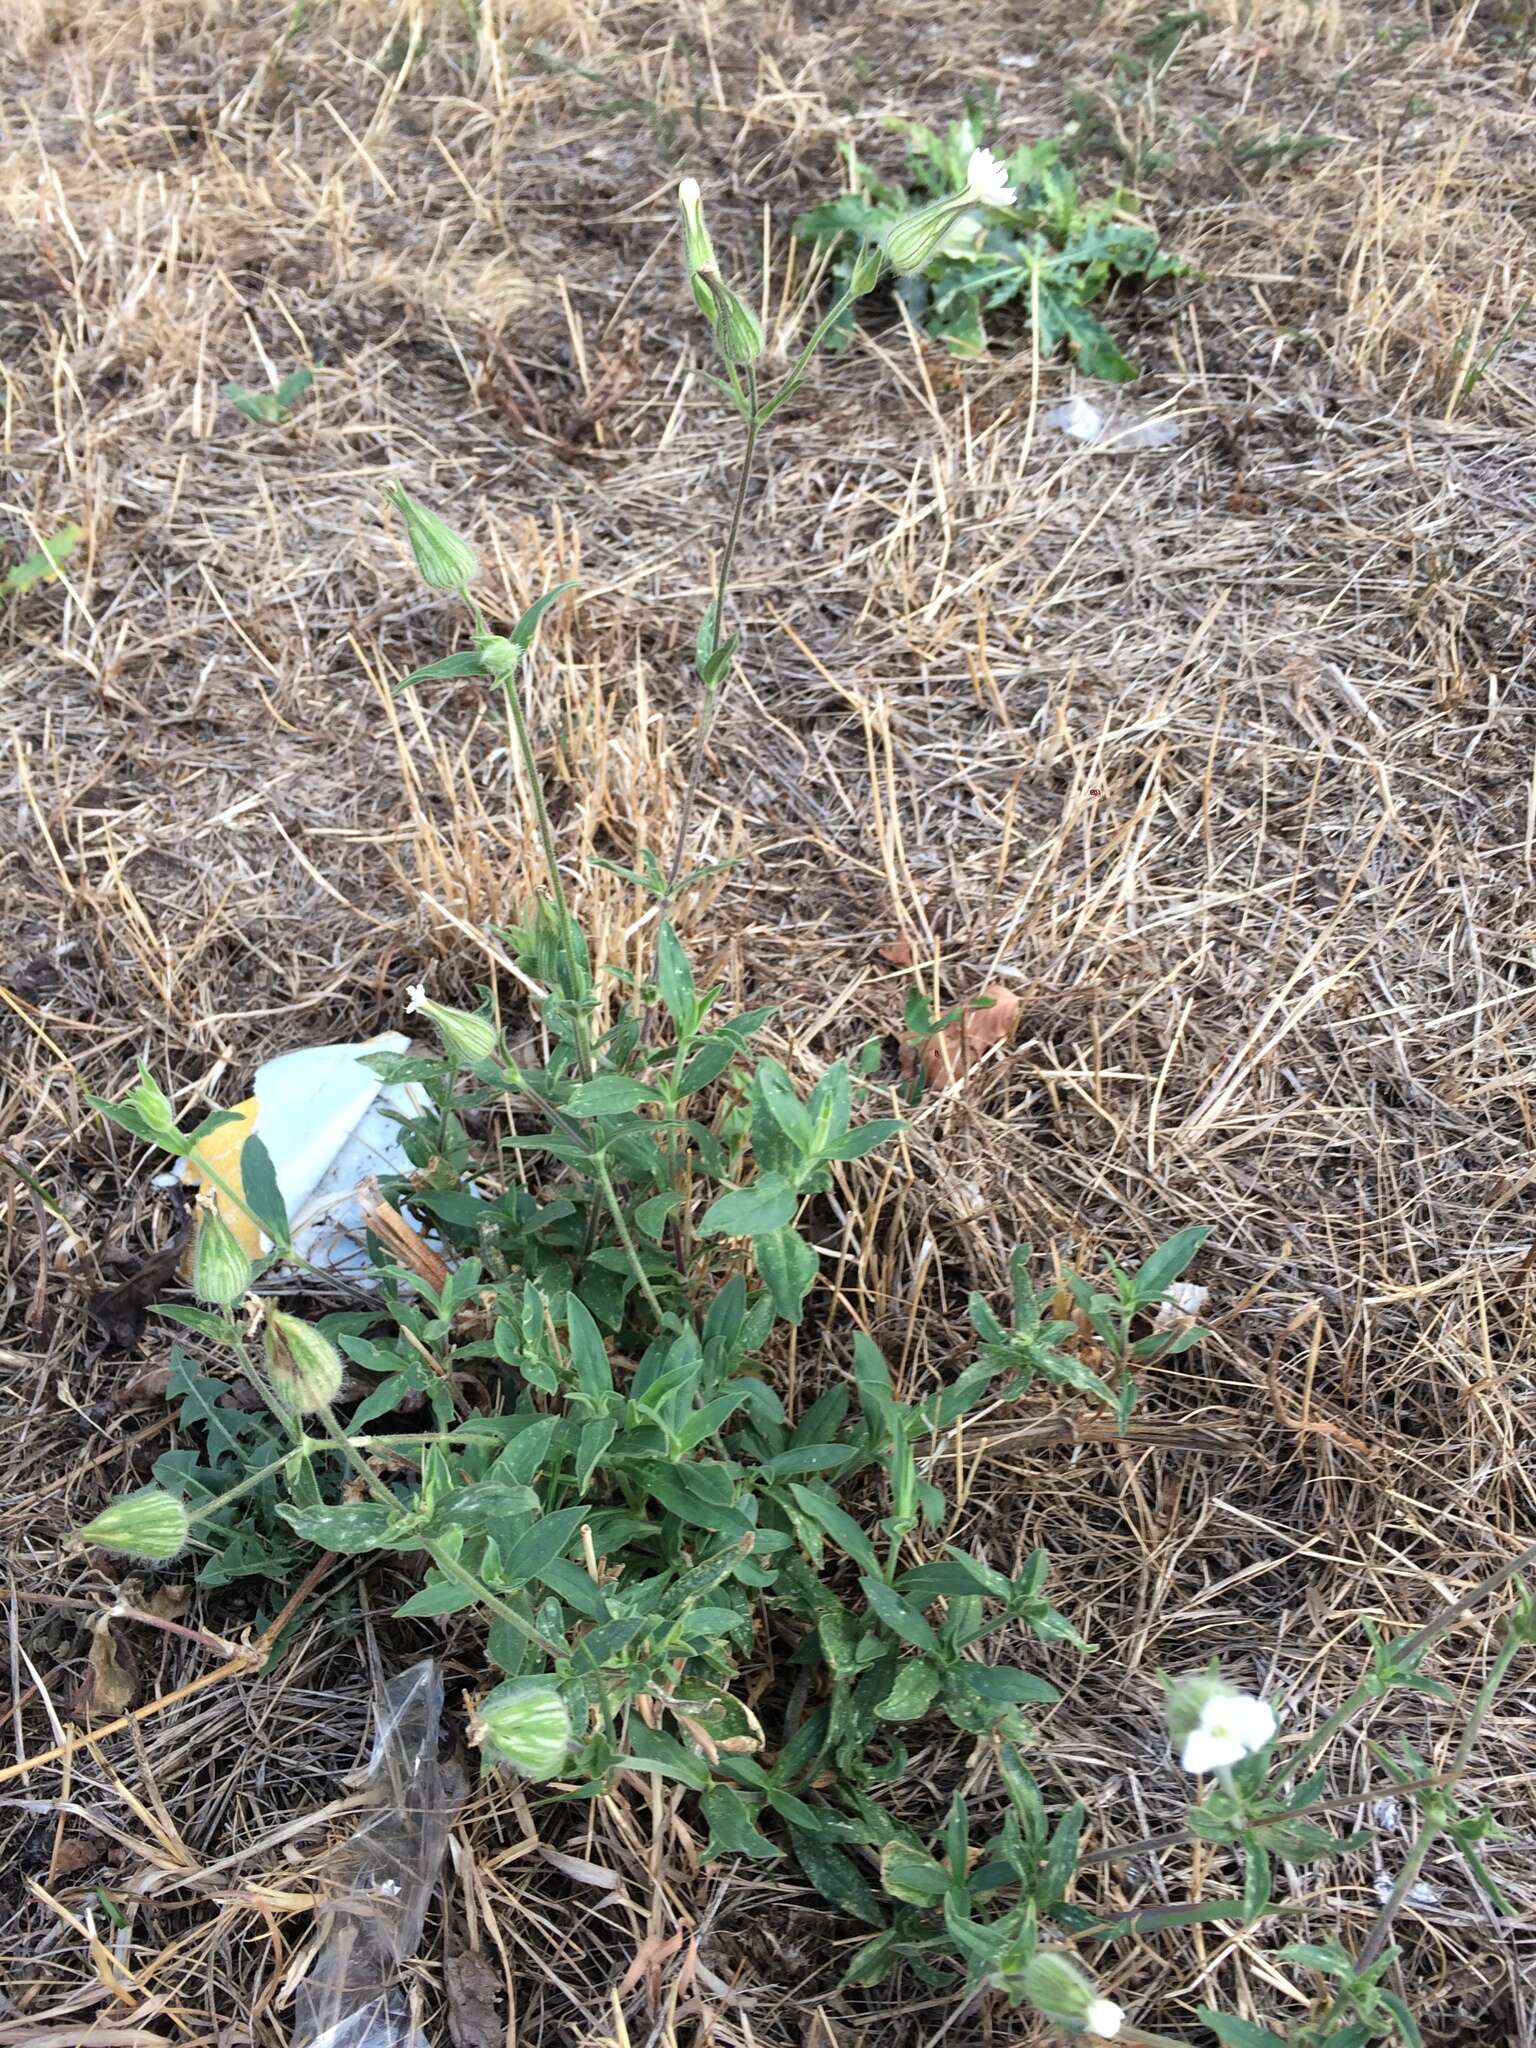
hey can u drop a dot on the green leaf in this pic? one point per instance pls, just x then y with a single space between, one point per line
704 639
768 1204
217 1329
650 1750
732 1827
792 1116
590 1445
787 1266
998 1683
717 663
807 1458
653 1215
899 1615
1407 2026
589 1354
854 1144
539 1546
441 1596
909 1699
1152 1279
1236 2033
912 1875
467 663
837 1877
270 408
1257 1889
263 1196
679 1490
610 1095
522 634
293 387
843 1529
350 1529
674 977
43 566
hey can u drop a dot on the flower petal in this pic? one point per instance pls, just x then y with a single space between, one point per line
1206 1750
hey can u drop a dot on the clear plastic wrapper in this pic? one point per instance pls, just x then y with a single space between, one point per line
384 1878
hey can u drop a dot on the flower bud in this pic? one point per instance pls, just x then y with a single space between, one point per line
443 561
500 655
738 333
221 1271
303 1365
466 1035
1060 1991
867 266
524 1723
151 1103
911 241
700 249
150 1524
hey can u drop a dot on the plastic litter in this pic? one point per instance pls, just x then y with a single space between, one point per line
386 1875
326 1122
1084 422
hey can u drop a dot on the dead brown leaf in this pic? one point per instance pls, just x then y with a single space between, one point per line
167 1603
655 1950
958 1047
474 2001
897 952
74 1853
111 1676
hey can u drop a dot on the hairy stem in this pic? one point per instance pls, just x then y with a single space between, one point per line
1413 1863
447 1565
626 1238
714 691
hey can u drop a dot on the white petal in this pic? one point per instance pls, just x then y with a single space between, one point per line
1250 1722
987 179
1205 1750
1104 2019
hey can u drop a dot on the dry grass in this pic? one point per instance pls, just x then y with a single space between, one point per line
1220 757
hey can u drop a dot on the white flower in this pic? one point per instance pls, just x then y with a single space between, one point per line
416 996
987 181
1231 1726
688 192
1103 2020
1183 1300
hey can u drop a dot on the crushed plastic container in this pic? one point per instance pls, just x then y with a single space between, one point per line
383 1878
328 1123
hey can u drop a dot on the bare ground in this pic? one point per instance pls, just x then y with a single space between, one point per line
1220 756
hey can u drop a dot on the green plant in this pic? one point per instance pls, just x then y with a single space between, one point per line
270 408
1268 148
42 566
629 1504
1046 255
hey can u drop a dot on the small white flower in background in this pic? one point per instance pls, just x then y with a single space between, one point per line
1182 1301
1228 1727
987 180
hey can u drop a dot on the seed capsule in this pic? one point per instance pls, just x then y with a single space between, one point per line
303 1365
150 1524
524 1723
